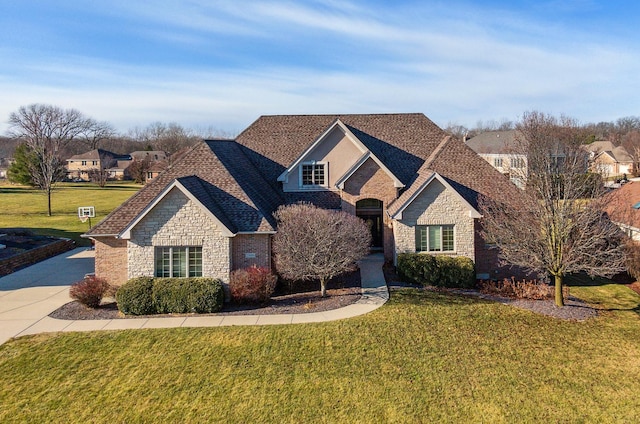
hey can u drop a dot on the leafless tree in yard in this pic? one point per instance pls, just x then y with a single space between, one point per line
99 176
314 243
559 226
96 133
46 130
139 168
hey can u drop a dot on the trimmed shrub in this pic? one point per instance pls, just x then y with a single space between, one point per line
187 295
252 285
135 297
147 295
440 271
531 289
206 295
90 290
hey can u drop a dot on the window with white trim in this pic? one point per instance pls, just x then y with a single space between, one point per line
435 238
497 162
313 174
517 163
179 261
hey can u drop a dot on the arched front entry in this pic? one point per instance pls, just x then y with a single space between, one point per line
370 210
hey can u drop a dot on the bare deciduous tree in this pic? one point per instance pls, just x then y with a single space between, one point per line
99 176
165 137
139 168
558 227
96 133
314 243
46 130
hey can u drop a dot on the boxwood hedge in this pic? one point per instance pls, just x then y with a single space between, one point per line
147 296
436 270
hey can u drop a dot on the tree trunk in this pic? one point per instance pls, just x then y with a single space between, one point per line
48 202
323 287
559 297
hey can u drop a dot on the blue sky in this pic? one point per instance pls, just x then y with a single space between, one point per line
222 64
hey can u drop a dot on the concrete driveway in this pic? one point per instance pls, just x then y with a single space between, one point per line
29 295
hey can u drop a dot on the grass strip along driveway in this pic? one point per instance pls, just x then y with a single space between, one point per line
423 357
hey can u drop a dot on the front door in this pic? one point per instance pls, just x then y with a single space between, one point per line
370 210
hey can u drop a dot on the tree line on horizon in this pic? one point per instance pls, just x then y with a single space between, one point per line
168 137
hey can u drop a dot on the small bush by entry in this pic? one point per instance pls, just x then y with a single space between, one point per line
146 296
441 271
90 290
252 285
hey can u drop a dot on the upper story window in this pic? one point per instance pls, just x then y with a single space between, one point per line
84 163
517 162
313 174
497 162
94 163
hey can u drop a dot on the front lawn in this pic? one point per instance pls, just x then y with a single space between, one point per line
423 357
25 207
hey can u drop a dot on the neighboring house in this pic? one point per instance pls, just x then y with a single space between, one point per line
497 148
79 166
211 211
160 165
623 207
5 163
149 155
609 160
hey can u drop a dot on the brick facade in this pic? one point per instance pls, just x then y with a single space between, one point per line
251 249
178 221
111 260
437 205
371 182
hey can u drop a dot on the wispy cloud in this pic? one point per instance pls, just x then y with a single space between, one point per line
224 63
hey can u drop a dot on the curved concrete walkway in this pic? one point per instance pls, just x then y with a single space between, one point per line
28 296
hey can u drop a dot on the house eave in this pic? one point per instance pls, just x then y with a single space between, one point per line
126 233
473 212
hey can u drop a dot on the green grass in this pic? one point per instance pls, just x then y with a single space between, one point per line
423 357
25 207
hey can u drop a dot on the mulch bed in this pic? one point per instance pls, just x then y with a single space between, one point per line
574 309
341 291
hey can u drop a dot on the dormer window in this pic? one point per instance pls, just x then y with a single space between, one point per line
313 174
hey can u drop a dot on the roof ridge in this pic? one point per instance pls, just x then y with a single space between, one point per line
436 152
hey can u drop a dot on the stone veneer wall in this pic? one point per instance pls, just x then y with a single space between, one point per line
371 182
111 259
436 206
251 249
178 221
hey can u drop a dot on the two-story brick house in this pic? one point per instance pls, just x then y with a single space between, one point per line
212 211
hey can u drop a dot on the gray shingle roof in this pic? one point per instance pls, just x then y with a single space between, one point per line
207 171
240 177
493 142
